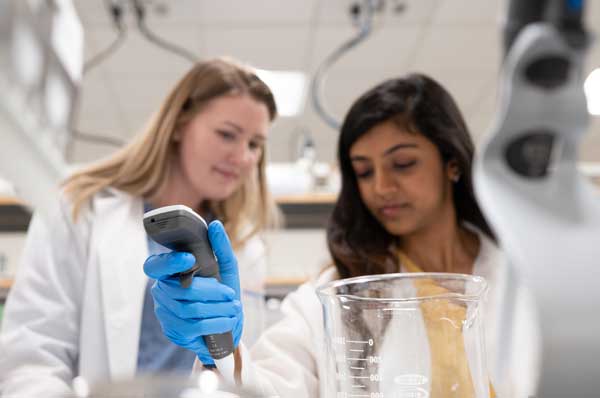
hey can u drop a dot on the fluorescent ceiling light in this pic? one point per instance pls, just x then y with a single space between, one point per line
288 87
592 92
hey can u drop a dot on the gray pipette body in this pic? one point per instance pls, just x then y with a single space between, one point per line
179 228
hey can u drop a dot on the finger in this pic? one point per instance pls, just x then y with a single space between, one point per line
165 265
203 355
211 310
201 290
183 333
185 330
215 325
228 267
197 310
179 331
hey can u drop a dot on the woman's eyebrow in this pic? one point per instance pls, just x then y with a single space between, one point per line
397 147
361 158
233 125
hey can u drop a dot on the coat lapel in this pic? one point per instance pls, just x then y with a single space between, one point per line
122 252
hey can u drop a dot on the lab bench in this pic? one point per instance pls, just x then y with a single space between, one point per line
299 211
276 290
306 211
5 285
14 215
14 220
296 251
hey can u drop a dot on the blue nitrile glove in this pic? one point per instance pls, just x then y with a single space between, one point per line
207 306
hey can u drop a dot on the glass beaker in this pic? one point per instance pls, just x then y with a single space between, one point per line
409 335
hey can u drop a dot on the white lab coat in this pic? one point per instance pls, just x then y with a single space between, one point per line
289 358
75 307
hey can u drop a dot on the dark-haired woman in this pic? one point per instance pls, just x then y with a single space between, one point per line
406 204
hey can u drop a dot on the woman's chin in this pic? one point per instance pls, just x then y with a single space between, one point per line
223 192
398 228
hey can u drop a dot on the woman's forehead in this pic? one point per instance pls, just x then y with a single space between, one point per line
385 135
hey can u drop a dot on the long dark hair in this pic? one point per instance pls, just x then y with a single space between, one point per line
358 243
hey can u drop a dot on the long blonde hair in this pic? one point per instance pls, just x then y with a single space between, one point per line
140 168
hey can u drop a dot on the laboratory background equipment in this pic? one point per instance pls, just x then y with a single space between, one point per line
41 48
404 336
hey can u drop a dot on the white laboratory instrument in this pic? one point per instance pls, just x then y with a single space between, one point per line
545 212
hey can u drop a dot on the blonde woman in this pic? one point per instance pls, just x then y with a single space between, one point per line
80 305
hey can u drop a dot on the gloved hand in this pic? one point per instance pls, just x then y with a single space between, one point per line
207 306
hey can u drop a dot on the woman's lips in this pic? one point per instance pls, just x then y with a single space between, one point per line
230 175
390 211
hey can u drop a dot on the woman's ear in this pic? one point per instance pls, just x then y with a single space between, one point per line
453 170
176 136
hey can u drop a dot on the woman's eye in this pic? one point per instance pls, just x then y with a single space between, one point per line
254 146
226 135
404 165
363 174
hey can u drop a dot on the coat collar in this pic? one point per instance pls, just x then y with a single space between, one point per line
122 250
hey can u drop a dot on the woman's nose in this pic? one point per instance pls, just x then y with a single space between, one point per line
241 155
384 184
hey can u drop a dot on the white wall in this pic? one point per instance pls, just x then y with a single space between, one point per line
296 254
11 246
